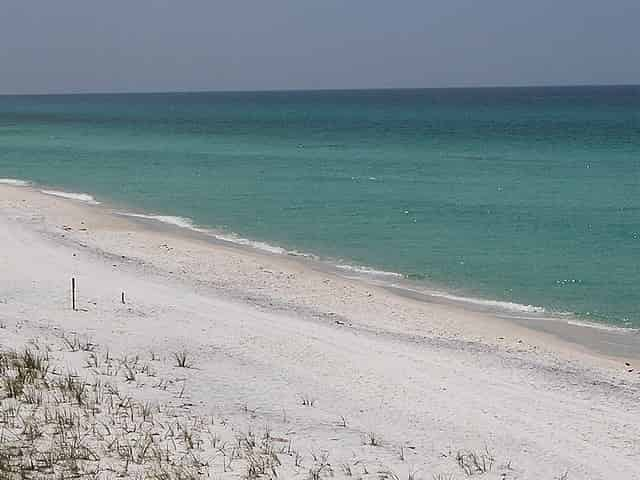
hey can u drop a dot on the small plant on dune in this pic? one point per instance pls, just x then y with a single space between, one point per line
71 343
129 374
31 430
93 361
307 400
147 412
259 466
32 395
172 472
388 475
14 386
182 359
21 369
75 344
443 476
346 469
363 466
36 363
473 463
372 439
321 467
73 388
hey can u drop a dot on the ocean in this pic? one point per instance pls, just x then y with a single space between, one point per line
527 199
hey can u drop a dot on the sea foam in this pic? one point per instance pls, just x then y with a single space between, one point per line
81 197
181 222
498 304
266 247
15 182
188 224
369 271
511 306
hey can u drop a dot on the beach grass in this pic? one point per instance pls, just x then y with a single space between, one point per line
61 424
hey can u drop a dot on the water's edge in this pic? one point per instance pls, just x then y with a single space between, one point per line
610 340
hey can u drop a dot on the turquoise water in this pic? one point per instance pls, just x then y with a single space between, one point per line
528 195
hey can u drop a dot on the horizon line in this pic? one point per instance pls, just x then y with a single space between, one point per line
301 90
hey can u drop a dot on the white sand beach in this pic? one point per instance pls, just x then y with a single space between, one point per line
375 383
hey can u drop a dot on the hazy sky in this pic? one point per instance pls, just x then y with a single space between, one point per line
144 45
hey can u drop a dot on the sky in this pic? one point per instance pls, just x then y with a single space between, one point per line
184 45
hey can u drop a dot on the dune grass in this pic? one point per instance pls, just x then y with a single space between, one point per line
57 423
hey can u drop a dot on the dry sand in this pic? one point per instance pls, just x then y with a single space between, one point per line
267 331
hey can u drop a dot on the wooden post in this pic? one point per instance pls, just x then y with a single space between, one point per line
73 293
123 298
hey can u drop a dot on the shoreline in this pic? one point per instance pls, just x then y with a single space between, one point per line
610 341
323 360
600 339
335 265
603 339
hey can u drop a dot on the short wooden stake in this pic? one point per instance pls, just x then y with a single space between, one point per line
123 298
73 293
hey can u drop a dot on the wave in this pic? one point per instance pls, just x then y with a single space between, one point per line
254 244
602 326
15 182
188 224
82 197
369 271
511 306
181 222
502 305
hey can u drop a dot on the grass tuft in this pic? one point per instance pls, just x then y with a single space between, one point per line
182 359
473 463
372 439
57 425
307 400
